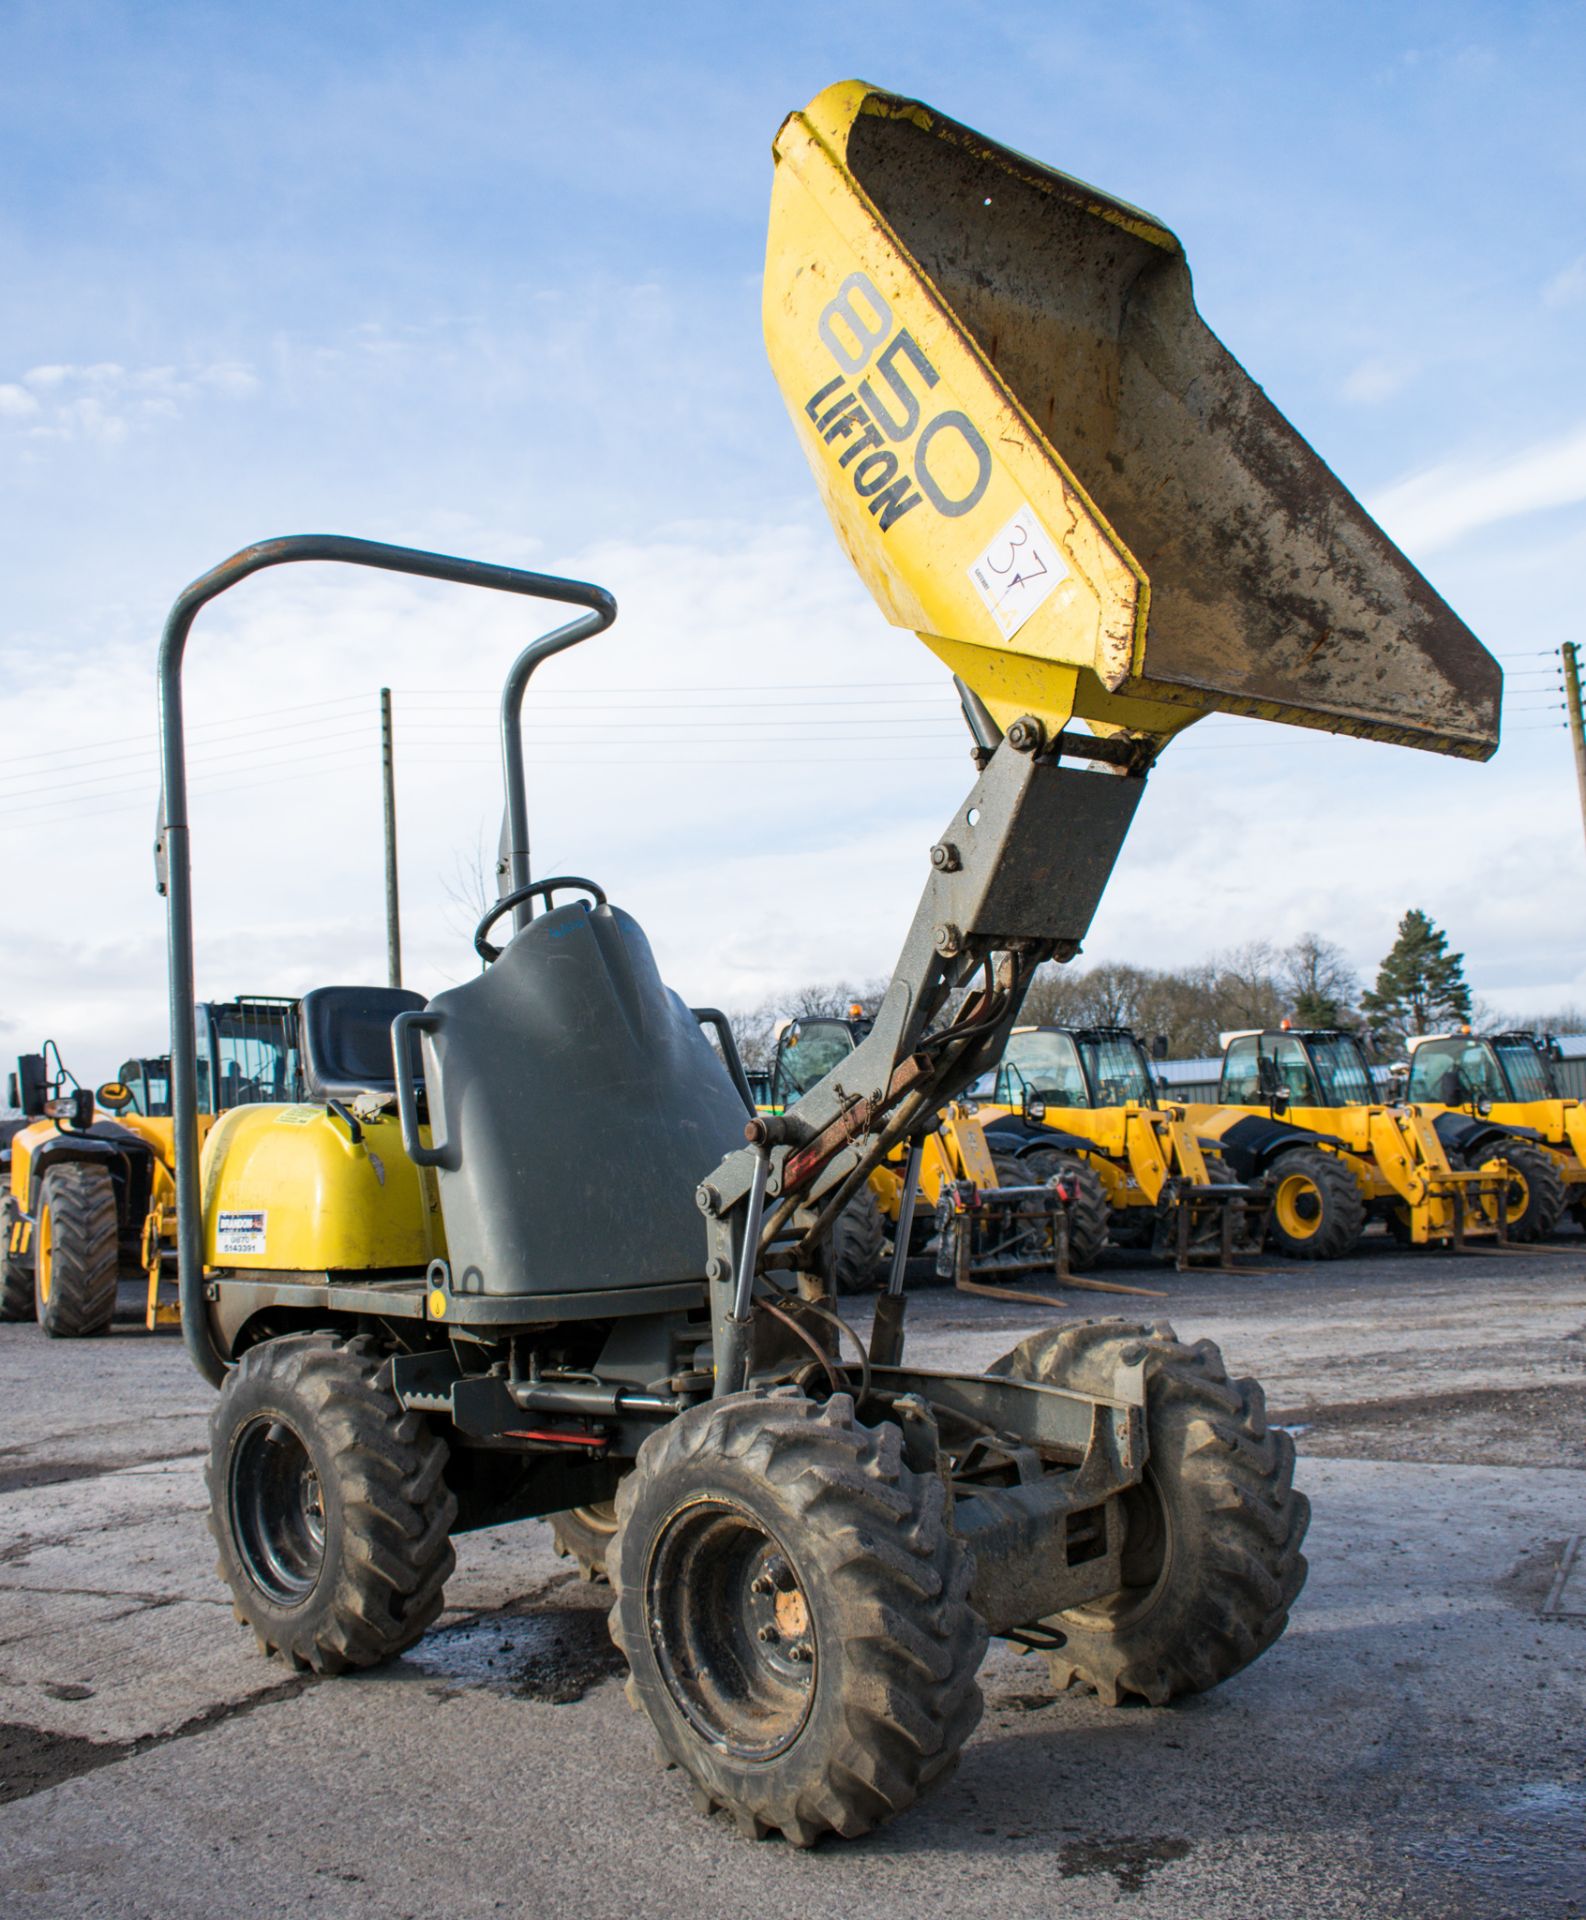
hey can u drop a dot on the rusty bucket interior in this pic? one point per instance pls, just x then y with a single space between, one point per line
1210 557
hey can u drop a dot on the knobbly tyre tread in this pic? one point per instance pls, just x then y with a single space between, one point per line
1239 1522
890 1595
85 1264
1545 1200
1343 1209
857 1243
16 1280
576 1535
389 1511
1087 1223
16 1291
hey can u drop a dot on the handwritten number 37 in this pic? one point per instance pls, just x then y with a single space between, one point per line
1031 568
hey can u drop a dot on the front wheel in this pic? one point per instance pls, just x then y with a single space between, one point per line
1087 1220
1317 1211
857 1245
76 1252
1534 1197
1211 1557
794 1608
328 1503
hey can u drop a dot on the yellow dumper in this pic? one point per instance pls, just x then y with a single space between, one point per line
1041 460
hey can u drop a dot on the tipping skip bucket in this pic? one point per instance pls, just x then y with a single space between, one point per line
1041 459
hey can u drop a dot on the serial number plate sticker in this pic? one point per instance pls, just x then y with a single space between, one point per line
240 1233
1017 571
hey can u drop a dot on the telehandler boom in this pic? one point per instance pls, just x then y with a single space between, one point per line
1040 460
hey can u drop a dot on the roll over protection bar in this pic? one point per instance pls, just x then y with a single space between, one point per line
173 859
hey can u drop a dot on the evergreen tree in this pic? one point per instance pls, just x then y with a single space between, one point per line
1420 985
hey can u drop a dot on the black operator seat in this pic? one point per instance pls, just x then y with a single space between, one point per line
344 1034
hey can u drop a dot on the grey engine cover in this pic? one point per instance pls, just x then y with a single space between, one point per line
580 1106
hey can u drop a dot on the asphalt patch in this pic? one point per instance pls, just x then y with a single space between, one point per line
54 1473
553 1647
1130 1862
1473 1426
31 1760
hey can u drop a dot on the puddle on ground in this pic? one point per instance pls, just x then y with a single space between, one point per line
1130 1862
1524 1845
554 1652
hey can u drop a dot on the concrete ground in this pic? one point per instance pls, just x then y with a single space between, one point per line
1415 1745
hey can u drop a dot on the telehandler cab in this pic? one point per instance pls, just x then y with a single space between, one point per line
813 1546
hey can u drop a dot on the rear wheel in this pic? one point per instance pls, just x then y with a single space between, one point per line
75 1252
1534 1194
1087 1220
794 1608
1211 1558
328 1503
584 1534
1317 1211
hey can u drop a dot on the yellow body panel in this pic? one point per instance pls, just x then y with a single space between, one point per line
1395 1156
286 1189
1137 1149
1561 1124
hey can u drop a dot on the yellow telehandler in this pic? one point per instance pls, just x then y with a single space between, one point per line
1299 1108
90 1174
1167 1188
991 1208
1494 1104
1040 460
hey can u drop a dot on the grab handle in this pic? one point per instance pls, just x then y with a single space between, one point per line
418 1020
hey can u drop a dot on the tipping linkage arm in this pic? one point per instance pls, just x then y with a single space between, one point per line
1014 881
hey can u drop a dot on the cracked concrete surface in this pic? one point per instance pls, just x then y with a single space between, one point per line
1413 1746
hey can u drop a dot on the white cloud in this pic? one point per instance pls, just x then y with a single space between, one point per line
1567 286
1374 381
104 401
1431 510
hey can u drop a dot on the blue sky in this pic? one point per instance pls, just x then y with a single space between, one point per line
486 278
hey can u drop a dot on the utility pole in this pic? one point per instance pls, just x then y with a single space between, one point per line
1577 722
393 917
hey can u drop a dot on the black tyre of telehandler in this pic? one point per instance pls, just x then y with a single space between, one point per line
584 1534
858 1242
1211 1559
1317 1212
1535 1200
1087 1222
793 1607
16 1290
328 1503
16 1280
76 1252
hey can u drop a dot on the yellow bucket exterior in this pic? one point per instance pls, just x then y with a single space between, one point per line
1041 460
